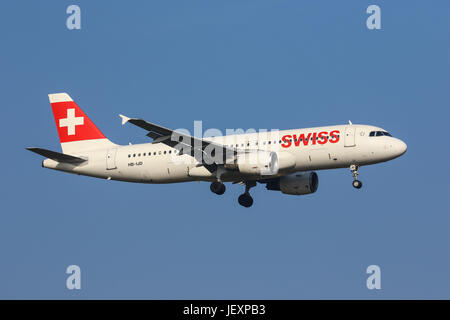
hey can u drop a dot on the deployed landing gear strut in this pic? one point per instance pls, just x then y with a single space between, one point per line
246 199
356 183
217 186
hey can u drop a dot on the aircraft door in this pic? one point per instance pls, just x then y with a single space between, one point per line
111 159
349 139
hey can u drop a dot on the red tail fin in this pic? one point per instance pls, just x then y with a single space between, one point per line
71 122
74 125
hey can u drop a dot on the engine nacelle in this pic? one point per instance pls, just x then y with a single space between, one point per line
296 184
286 161
256 163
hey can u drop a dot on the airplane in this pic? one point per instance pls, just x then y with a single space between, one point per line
284 161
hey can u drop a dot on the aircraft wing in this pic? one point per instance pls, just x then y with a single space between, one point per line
60 157
185 143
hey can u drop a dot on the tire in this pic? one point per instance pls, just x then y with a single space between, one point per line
221 190
357 184
245 200
217 187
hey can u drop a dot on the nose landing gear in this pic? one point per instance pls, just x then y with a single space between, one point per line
246 199
354 170
357 184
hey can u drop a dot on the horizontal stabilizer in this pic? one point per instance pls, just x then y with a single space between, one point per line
60 157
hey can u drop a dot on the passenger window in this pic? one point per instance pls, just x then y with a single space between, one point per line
159 152
154 153
164 151
139 155
170 151
129 156
134 155
144 154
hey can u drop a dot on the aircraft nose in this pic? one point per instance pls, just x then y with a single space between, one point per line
400 147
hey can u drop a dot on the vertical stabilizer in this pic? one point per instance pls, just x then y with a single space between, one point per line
76 131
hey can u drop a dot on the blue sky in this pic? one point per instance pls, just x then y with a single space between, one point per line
231 64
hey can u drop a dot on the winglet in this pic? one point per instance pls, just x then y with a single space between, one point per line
124 119
349 122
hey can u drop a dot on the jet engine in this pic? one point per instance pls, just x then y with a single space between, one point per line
295 184
255 163
286 161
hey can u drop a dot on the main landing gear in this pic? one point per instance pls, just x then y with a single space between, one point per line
354 170
246 199
217 187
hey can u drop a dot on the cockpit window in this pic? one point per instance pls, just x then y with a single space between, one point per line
379 134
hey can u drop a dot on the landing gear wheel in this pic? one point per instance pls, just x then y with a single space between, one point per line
245 200
217 187
357 184
354 169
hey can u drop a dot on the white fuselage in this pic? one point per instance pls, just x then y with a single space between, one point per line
159 163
